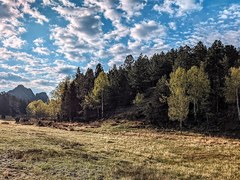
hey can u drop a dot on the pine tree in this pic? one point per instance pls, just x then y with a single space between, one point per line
139 77
98 70
215 70
184 58
119 89
158 67
199 54
65 101
74 104
128 62
232 55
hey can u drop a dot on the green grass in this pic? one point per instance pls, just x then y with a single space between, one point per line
114 151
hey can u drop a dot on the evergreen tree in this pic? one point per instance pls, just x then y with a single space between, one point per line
89 80
129 61
119 89
184 58
199 53
158 67
65 100
215 70
232 55
74 104
98 70
157 109
139 77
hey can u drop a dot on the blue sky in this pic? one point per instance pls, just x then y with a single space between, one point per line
42 41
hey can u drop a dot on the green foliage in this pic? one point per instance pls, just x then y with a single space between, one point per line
139 76
37 109
54 108
159 66
198 87
232 83
98 70
119 88
198 84
162 90
178 82
138 99
10 105
184 58
215 69
178 101
178 107
101 83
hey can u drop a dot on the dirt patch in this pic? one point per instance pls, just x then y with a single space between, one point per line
5 123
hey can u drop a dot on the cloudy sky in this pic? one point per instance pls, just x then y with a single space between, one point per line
42 41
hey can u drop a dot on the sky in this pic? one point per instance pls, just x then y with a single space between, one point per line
43 41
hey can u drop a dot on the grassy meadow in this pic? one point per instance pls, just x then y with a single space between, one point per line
113 150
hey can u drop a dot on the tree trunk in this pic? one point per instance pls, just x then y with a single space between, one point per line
207 120
181 126
102 104
238 104
195 111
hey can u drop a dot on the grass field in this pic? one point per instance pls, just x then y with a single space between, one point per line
114 151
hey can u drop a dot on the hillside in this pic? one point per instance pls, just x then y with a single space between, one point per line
114 150
27 95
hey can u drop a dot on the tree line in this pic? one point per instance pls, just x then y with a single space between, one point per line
10 105
195 84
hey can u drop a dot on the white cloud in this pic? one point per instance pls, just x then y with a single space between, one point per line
21 7
216 28
146 30
13 42
33 12
25 58
132 7
232 12
107 7
172 25
11 15
67 3
109 10
38 42
12 77
83 34
5 54
41 50
92 64
120 32
14 68
178 7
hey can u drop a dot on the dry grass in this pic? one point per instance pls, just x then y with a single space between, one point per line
114 151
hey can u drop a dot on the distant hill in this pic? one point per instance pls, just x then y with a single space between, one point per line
27 95
42 96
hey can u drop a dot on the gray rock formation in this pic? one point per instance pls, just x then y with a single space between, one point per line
27 95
